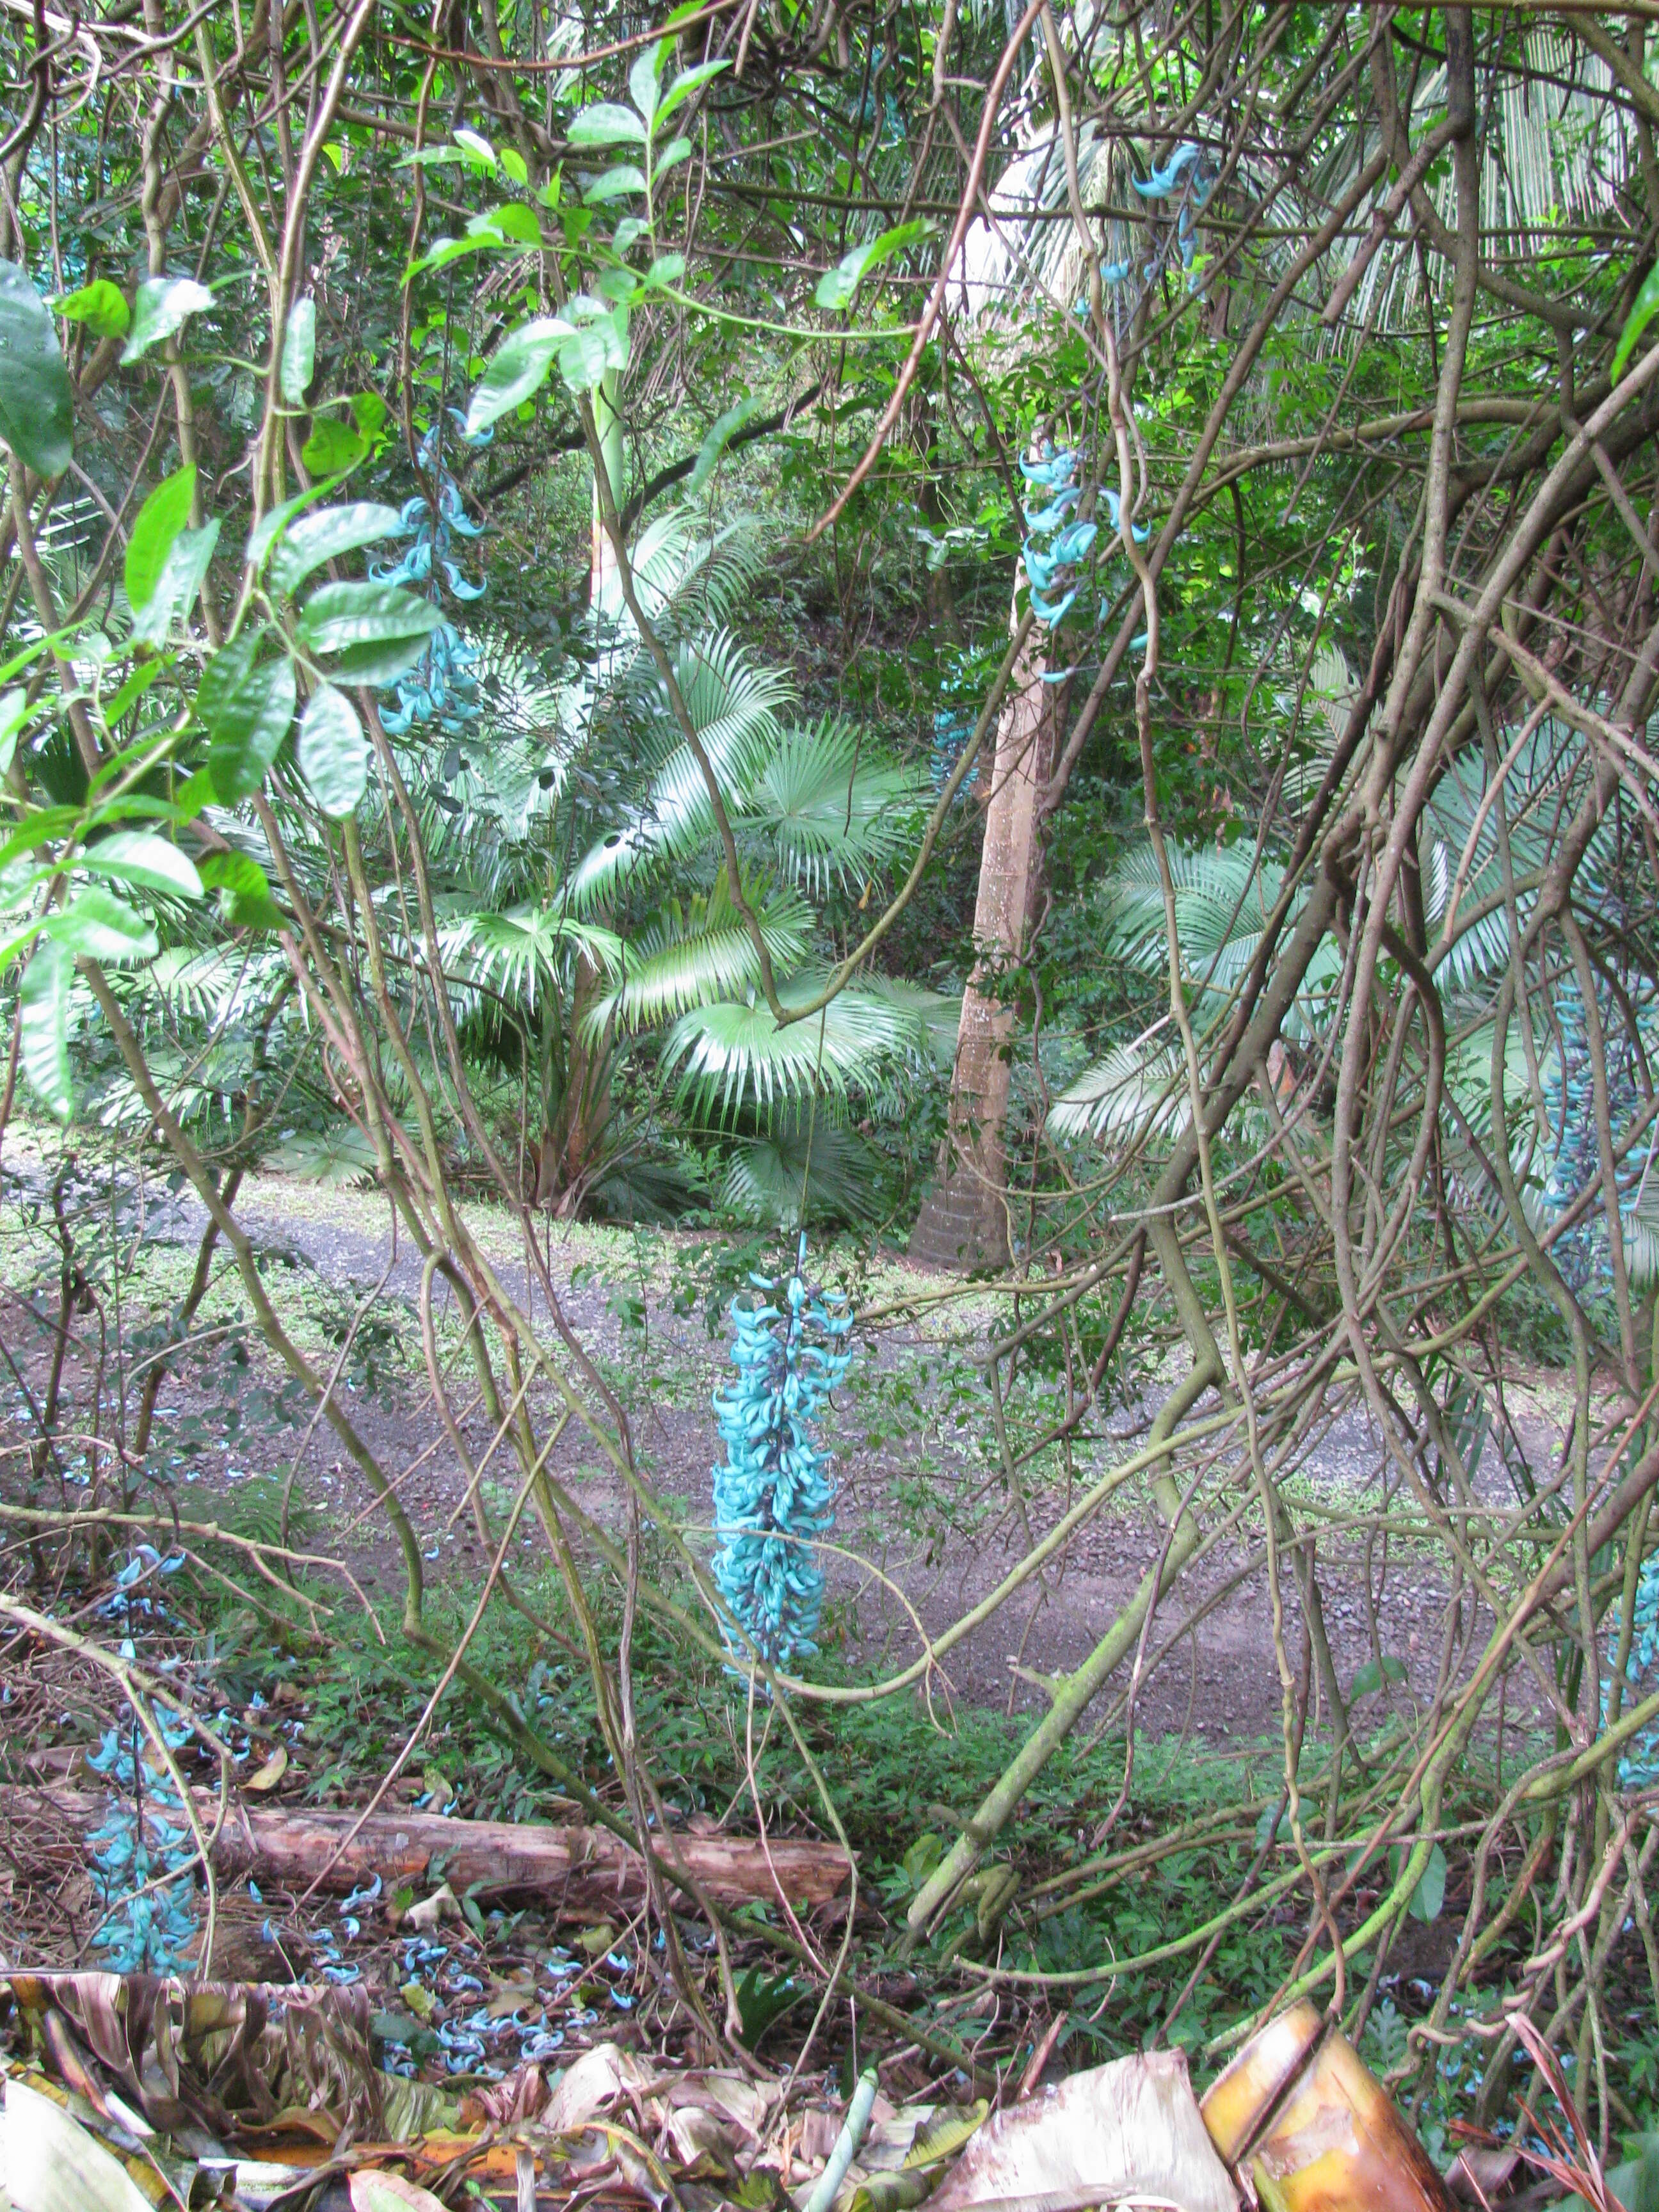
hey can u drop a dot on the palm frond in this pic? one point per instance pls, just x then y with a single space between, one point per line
797 1156
525 949
1137 1090
340 1158
734 706
699 949
735 1054
833 811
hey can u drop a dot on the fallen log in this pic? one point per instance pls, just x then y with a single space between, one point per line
291 1847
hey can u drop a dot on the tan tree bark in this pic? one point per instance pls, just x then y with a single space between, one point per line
964 1222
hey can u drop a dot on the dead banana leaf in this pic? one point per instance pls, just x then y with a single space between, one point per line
390 2192
52 2165
1129 2130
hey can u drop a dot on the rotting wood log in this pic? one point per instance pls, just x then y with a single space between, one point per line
291 1847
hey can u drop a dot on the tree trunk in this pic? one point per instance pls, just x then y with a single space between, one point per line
964 1222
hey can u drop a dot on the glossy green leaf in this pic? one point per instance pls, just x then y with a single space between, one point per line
475 147
146 861
1642 310
329 535
271 526
1429 1895
36 401
688 82
513 165
248 705
245 900
333 753
299 351
160 520
333 448
624 176
721 432
163 305
101 306
102 927
181 578
606 124
369 633
512 221
518 370
43 995
836 286
676 151
643 77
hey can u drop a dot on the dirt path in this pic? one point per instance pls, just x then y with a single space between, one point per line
921 1508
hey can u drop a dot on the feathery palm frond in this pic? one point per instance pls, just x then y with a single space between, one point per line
734 706
681 570
733 1053
1137 1090
833 812
523 950
798 1155
699 949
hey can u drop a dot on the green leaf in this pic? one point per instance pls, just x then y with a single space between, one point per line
511 221
512 164
475 147
666 268
368 412
299 351
370 632
100 305
333 448
245 900
518 368
1643 310
269 527
45 997
605 123
36 401
624 176
333 752
721 432
181 579
837 285
671 155
688 82
14 714
103 927
642 78
146 861
161 306
1393 1667
248 706
160 518
329 535
1430 1895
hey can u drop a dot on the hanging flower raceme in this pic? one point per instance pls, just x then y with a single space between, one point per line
773 1497
143 1858
441 688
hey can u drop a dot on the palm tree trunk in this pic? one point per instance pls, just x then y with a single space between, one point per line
964 1222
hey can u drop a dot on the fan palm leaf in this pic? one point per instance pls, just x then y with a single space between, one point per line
699 949
833 813
734 1054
